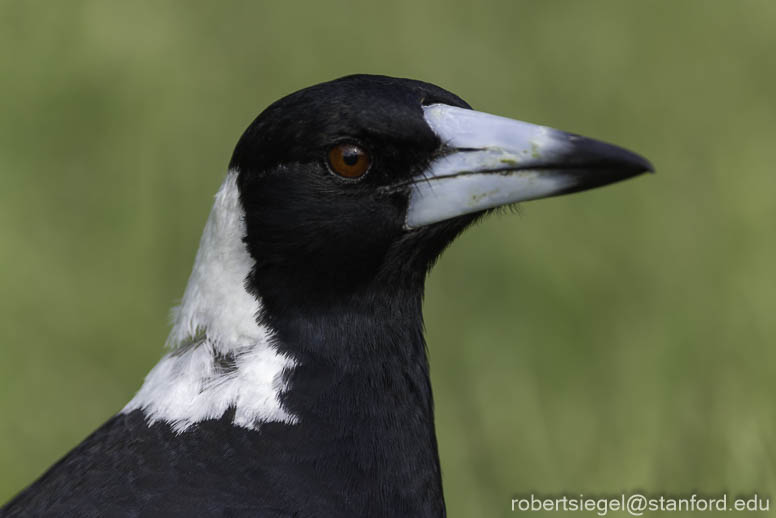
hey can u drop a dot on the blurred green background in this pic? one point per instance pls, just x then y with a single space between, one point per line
616 339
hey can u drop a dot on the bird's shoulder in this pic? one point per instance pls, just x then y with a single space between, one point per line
130 468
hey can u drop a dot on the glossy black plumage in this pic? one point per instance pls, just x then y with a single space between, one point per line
127 468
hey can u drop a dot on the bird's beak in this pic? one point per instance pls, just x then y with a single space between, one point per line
492 161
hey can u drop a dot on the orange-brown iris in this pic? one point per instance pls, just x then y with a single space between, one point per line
348 160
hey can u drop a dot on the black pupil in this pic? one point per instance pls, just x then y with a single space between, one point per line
351 157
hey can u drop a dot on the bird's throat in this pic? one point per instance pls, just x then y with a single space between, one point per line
360 390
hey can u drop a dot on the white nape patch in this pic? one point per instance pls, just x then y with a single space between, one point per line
214 325
190 386
215 299
491 169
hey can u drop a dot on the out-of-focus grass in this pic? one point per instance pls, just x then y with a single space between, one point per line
611 340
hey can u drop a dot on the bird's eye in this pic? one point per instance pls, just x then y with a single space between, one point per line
349 160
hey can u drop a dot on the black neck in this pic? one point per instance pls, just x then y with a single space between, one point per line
350 317
362 394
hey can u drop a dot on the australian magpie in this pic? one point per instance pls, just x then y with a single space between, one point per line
297 382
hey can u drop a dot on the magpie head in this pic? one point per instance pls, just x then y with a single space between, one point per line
368 178
310 270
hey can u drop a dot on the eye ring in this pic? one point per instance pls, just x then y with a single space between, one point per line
348 160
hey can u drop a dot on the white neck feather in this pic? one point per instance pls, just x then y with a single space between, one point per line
215 300
217 319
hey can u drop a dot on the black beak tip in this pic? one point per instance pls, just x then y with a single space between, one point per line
596 154
644 165
599 163
633 164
